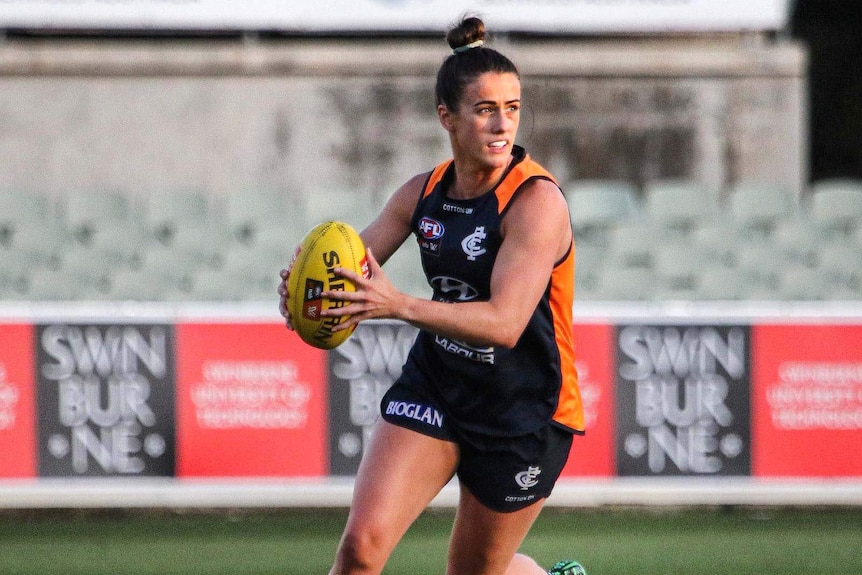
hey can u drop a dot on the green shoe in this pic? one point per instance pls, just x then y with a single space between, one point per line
567 568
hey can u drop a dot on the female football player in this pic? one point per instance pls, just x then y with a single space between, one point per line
489 392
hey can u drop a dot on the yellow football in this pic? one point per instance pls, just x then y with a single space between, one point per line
325 247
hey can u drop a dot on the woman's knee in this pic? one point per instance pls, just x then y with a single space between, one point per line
363 550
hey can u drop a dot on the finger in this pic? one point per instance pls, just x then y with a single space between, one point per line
287 321
285 273
282 306
349 322
351 275
294 256
340 295
373 265
286 315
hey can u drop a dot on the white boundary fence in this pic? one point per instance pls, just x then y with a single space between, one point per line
336 493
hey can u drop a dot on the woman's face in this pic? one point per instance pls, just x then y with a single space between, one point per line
483 129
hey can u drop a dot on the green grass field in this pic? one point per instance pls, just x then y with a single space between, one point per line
607 541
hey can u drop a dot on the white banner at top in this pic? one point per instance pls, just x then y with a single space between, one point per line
369 16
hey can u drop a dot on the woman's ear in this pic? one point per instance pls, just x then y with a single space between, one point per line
446 117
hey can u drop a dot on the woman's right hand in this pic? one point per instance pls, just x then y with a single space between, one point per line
282 290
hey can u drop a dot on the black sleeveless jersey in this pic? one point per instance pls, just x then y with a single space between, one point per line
494 391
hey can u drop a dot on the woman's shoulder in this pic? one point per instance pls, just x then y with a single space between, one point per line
406 196
539 199
542 191
414 186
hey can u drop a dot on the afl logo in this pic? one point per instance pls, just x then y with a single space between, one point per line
430 229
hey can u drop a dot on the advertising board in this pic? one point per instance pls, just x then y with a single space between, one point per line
17 401
105 399
251 402
593 454
360 371
682 399
235 397
807 400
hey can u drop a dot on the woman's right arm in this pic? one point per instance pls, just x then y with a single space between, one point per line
383 236
392 226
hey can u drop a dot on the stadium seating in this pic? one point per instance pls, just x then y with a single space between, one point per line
679 243
93 272
721 283
840 264
756 208
63 285
218 285
621 284
677 266
248 273
354 207
760 263
14 266
249 211
405 270
199 244
170 270
718 241
167 210
588 261
19 209
679 204
122 245
88 212
802 283
836 205
798 240
42 243
633 243
141 285
597 206
281 241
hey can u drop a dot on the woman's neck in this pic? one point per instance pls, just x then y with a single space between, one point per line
471 183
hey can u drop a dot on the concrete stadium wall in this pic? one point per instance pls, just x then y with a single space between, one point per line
223 116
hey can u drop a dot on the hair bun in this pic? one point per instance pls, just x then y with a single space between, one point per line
469 33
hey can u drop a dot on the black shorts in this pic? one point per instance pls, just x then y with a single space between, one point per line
504 473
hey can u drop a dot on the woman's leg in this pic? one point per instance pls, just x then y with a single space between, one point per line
523 565
484 542
400 473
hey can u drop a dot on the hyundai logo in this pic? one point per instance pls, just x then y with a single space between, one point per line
454 287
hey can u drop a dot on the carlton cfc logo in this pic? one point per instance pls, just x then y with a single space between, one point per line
529 478
472 244
430 229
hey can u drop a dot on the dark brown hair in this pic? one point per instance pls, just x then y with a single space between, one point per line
466 64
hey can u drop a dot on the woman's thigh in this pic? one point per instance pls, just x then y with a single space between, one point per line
400 473
484 541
